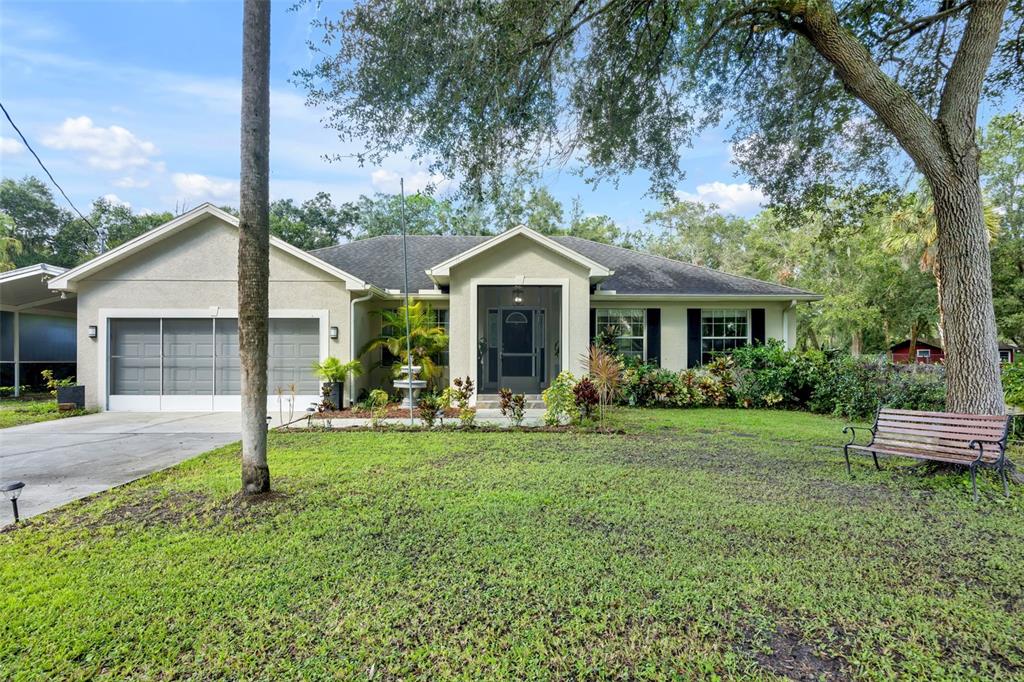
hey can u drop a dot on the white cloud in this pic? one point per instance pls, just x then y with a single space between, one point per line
129 182
10 146
116 200
197 186
735 197
384 180
114 148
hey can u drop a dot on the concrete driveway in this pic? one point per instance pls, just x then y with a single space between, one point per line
67 459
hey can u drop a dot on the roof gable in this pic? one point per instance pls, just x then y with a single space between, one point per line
67 280
442 271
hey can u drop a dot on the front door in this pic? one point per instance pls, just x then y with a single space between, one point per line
521 356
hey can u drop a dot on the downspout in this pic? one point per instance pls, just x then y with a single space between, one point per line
352 342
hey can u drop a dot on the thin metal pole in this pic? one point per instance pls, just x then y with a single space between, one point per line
408 330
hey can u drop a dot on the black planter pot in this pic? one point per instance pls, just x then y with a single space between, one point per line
72 394
336 393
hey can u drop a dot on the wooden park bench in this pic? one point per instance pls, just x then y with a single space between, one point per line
970 440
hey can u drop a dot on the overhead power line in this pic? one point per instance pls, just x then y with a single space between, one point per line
43 166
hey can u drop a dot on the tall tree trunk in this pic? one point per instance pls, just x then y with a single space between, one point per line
254 243
856 344
968 319
913 342
944 149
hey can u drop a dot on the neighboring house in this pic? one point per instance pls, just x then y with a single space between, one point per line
1008 352
926 351
157 325
37 328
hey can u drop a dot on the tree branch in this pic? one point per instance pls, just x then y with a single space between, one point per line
895 107
958 108
920 24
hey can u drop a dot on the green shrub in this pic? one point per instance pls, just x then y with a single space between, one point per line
431 408
378 406
1013 383
560 400
461 393
586 398
513 407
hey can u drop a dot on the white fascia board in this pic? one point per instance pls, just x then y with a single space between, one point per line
37 270
607 296
66 280
442 271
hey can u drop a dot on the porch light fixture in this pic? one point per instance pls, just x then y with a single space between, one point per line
517 295
13 490
334 332
93 331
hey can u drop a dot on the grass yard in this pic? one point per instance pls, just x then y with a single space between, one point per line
699 544
19 411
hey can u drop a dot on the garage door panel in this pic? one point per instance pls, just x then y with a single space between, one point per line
186 362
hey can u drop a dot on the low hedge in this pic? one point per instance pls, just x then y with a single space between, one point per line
771 376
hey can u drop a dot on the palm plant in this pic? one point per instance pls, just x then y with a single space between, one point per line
914 233
334 372
422 335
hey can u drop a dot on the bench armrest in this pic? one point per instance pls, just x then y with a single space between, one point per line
979 445
852 430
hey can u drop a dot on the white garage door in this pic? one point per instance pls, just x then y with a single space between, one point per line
193 364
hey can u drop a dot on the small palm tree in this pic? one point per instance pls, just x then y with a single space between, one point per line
914 233
422 334
332 369
605 373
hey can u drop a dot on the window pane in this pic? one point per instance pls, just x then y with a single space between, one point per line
135 357
227 380
294 347
46 338
188 357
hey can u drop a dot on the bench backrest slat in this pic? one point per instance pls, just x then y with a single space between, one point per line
940 433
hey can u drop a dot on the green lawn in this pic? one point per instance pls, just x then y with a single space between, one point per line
701 543
18 411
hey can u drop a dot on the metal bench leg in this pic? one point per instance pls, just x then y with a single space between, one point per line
974 483
846 454
875 456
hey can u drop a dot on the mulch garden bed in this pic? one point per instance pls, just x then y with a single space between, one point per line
394 412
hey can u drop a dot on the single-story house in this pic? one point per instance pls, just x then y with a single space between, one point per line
926 351
37 328
157 327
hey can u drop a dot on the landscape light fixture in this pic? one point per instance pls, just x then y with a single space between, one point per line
93 331
517 295
13 490
334 332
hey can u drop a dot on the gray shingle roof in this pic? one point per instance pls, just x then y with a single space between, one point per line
379 261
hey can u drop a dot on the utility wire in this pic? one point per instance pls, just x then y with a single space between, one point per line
43 166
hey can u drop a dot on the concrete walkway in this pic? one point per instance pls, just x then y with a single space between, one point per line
67 459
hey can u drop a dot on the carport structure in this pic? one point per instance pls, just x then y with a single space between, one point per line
37 326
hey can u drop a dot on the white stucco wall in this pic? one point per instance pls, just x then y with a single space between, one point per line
197 269
524 261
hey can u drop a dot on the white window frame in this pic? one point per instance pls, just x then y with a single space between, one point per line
620 310
1004 355
704 311
923 353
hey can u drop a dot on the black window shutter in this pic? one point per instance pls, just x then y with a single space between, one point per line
757 326
693 337
654 336
593 326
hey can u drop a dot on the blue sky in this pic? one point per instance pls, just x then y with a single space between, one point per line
139 101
